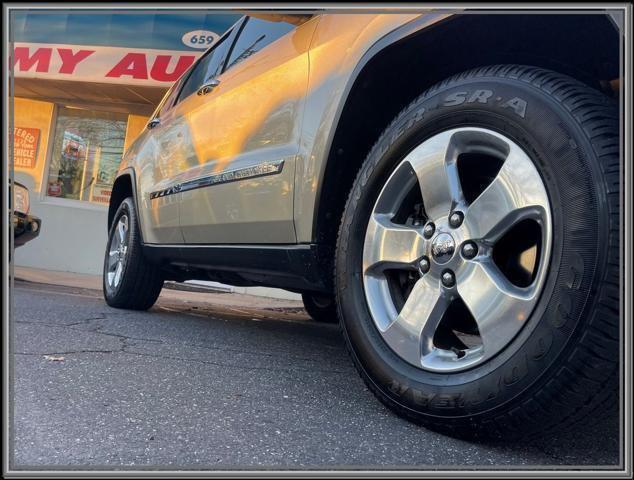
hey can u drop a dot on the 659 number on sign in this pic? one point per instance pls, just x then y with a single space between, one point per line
200 38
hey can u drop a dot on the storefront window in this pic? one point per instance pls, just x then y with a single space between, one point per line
86 152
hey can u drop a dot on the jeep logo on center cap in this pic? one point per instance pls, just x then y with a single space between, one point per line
443 247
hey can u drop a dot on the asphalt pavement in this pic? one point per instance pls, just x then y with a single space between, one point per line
204 382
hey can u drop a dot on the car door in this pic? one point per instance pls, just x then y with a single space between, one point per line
172 156
240 131
159 213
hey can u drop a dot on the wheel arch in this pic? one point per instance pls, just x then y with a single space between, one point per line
123 187
393 73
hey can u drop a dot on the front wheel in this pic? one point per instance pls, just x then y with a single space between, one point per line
129 280
478 257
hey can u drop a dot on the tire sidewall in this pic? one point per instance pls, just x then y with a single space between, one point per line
563 156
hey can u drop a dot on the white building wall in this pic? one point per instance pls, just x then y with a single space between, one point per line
72 239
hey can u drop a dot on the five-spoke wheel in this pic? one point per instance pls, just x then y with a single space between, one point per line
478 236
117 254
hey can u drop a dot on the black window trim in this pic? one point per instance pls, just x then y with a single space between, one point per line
235 40
228 33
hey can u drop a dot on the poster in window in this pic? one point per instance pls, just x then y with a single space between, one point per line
71 165
25 142
106 166
110 159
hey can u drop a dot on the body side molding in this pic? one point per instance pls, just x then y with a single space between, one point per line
260 170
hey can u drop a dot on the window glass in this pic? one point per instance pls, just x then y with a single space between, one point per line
170 98
208 67
255 35
87 150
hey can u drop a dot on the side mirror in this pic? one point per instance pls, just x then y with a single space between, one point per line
208 87
153 123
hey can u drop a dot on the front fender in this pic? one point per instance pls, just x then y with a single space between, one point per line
342 45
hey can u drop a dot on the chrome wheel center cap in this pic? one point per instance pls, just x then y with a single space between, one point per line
443 247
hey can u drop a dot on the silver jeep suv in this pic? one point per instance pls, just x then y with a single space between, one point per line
445 186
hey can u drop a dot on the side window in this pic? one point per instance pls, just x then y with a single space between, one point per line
209 66
255 35
170 99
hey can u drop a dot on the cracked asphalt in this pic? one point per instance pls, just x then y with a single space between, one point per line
193 384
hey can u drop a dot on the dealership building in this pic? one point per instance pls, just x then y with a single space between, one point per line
84 86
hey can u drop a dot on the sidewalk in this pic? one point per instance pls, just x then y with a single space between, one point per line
93 282
51 277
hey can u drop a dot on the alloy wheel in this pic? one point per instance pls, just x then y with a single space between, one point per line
118 251
456 249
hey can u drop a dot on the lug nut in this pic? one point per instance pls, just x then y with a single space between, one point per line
455 219
428 230
448 279
469 250
424 265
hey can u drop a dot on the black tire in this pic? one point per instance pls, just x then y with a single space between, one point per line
321 308
565 368
141 281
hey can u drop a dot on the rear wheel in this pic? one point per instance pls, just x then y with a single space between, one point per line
321 308
477 263
129 279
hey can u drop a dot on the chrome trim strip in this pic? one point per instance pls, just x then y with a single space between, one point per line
260 170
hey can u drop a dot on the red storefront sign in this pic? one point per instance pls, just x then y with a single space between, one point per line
101 64
25 142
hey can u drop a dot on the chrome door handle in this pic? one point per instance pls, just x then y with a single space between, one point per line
208 87
153 123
